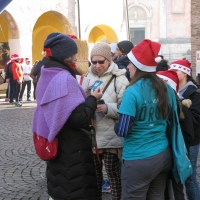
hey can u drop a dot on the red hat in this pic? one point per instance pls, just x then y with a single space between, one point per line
170 77
181 65
72 36
14 56
27 59
145 55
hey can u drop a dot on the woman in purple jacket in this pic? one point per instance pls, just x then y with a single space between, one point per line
63 111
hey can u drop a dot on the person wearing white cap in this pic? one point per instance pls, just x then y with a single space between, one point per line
144 110
113 47
189 89
27 80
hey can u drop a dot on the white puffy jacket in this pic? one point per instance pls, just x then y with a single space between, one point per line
104 123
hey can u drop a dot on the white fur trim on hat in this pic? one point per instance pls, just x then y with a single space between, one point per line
168 81
158 59
140 65
180 68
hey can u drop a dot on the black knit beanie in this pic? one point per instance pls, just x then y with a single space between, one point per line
125 46
60 45
162 65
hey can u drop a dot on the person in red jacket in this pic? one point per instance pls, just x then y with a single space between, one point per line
17 77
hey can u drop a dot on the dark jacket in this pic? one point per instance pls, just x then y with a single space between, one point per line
71 175
193 94
37 69
9 74
122 63
187 126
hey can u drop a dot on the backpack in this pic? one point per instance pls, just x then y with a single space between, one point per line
44 149
9 73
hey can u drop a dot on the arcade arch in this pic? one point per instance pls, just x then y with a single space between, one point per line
48 22
9 37
101 31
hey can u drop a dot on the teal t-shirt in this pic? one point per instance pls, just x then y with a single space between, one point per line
148 135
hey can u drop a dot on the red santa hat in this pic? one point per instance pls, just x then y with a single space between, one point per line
145 55
170 77
14 56
72 36
27 59
181 65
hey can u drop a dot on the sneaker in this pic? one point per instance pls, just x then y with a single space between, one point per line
106 187
28 99
20 99
104 190
18 104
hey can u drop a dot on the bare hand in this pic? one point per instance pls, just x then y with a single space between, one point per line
102 108
97 93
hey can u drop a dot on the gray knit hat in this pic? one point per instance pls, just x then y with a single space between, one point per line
60 46
101 49
125 46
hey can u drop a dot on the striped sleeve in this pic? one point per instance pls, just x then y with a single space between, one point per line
124 126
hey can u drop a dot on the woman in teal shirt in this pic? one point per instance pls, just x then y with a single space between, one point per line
142 122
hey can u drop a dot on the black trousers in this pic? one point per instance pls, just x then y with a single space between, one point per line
177 190
34 90
28 83
12 87
17 90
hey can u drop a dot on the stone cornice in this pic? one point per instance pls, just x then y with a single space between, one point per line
174 40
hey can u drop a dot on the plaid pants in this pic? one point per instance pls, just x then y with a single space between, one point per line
112 163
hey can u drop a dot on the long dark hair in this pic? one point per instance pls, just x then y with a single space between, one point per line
157 84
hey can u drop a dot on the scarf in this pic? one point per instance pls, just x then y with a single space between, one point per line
58 94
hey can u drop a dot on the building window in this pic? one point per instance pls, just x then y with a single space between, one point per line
137 35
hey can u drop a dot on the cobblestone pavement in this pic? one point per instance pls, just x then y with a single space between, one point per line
21 171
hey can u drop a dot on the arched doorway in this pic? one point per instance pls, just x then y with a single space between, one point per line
100 32
47 23
139 22
9 37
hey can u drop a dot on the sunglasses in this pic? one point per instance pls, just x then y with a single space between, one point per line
101 62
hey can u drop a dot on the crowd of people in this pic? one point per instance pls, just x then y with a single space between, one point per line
18 76
130 110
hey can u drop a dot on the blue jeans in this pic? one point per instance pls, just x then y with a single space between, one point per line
191 184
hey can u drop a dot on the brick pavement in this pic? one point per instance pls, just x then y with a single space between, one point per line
22 173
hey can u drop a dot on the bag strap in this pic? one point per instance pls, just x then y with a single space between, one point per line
92 135
113 76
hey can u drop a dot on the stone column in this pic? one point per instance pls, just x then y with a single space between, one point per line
195 32
163 22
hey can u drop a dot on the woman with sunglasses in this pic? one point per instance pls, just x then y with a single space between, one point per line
189 89
109 144
144 110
